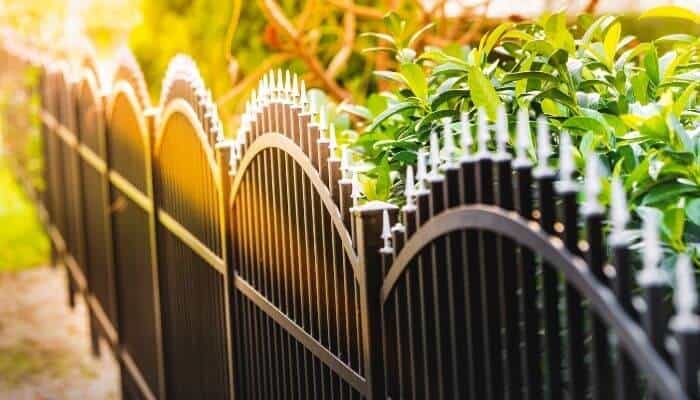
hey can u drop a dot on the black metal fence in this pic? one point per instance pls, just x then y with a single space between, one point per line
251 268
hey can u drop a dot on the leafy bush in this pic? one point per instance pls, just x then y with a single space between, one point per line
633 103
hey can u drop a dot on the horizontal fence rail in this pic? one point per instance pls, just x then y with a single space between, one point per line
250 267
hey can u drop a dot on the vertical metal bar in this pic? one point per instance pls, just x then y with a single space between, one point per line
601 364
369 224
508 278
490 276
575 322
550 290
528 285
473 288
626 383
415 374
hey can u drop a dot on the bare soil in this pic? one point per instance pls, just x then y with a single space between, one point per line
45 345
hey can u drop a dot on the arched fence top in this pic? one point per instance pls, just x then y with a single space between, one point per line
123 90
552 250
183 82
181 108
128 69
286 145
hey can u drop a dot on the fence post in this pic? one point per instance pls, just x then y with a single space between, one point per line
368 223
224 150
151 116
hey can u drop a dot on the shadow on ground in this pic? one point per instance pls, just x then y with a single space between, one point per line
45 345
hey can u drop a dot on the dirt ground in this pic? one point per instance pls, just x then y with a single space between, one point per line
45 345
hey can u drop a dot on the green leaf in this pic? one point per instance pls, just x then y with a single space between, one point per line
539 47
612 38
558 96
492 39
558 33
448 95
393 110
483 93
536 75
414 38
593 30
651 64
671 12
674 225
415 79
435 115
692 210
585 124
685 99
640 87
392 76
394 23
667 191
381 36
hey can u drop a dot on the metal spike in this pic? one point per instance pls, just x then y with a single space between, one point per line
651 253
482 133
592 186
295 88
356 192
465 136
566 160
544 147
333 145
619 214
421 173
287 82
345 163
386 229
322 120
303 99
449 141
523 137
502 132
686 296
434 155
409 189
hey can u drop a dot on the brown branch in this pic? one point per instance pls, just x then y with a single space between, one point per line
276 16
340 60
359 10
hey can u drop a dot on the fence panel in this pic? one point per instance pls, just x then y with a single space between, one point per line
297 317
192 257
96 202
131 199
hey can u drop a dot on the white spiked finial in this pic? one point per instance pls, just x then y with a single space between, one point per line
422 171
409 189
465 136
386 231
523 138
295 88
333 140
303 98
280 84
686 296
566 162
544 146
271 86
434 155
322 120
619 214
651 274
355 193
345 163
313 107
482 133
287 83
449 141
502 132
592 186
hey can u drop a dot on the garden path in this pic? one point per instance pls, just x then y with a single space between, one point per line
45 345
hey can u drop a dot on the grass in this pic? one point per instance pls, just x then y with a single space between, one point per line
23 242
